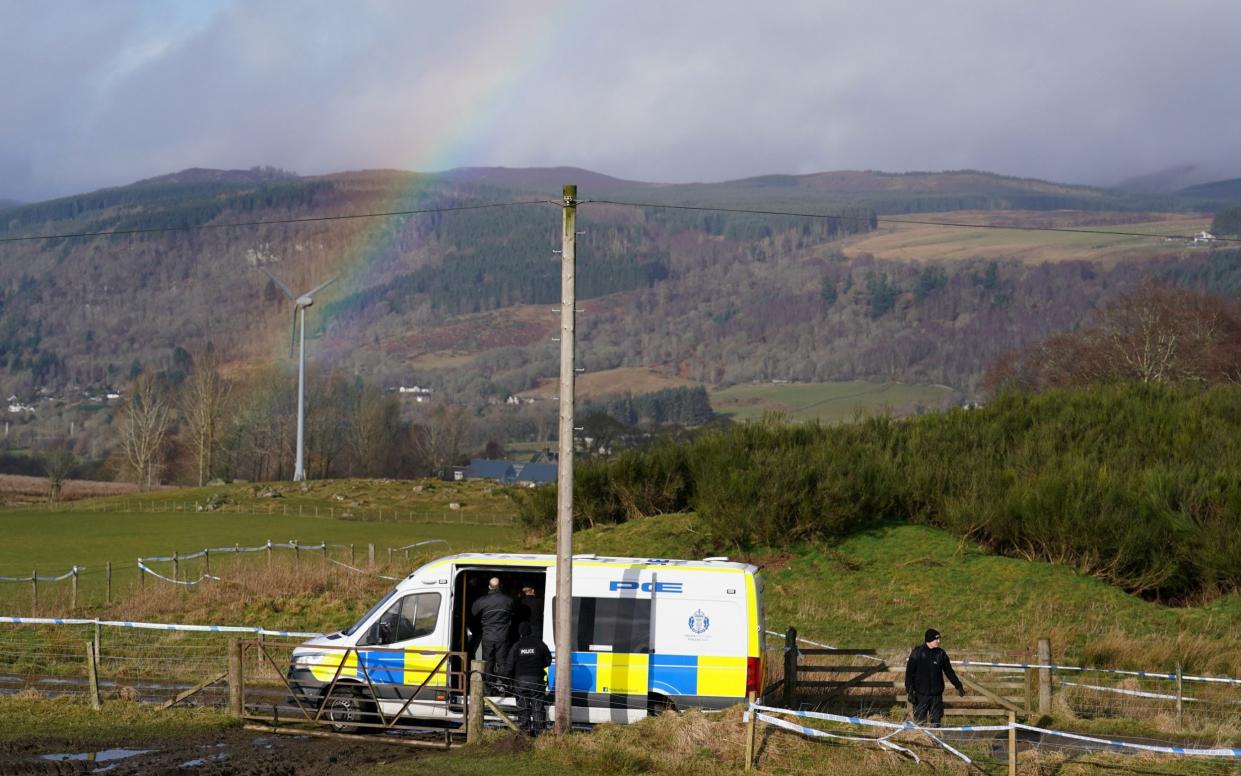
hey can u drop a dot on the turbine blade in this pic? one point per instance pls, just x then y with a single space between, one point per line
293 332
287 291
322 286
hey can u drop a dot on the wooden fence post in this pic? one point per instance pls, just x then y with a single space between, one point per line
1012 744
108 595
34 590
297 555
790 668
474 716
236 693
73 590
1044 676
269 553
370 555
353 555
1180 695
98 645
92 676
207 562
176 566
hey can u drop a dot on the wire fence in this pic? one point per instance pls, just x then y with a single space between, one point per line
274 507
87 586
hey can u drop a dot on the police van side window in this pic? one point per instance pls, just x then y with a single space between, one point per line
410 617
612 625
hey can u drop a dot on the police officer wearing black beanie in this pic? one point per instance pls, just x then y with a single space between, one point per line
924 679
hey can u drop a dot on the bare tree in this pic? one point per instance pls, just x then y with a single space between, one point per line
438 440
202 403
144 428
58 459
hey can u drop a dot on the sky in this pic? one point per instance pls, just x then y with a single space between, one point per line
105 93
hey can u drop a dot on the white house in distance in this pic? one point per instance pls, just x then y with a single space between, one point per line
418 393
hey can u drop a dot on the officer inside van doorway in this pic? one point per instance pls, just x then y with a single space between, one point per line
495 614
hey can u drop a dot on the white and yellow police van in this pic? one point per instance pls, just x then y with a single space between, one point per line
648 634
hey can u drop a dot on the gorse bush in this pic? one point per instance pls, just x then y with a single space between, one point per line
1139 485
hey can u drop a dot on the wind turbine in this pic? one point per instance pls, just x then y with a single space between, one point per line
300 303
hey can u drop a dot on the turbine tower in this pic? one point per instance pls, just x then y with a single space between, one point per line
300 303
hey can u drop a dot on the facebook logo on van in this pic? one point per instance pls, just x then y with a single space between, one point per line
646 587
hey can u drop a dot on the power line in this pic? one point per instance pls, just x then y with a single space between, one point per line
308 219
829 217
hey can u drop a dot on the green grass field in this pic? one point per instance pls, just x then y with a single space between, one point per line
827 402
91 533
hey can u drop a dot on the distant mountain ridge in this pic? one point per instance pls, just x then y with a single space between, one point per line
711 296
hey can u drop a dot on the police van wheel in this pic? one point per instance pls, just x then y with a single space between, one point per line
658 704
348 708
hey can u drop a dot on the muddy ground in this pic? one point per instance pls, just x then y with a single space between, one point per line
223 753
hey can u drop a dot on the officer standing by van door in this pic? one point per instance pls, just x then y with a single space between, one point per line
924 679
530 658
495 613
531 609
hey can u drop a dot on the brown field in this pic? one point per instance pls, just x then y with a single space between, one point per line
914 242
16 489
614 382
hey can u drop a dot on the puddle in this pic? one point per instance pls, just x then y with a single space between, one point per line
96 757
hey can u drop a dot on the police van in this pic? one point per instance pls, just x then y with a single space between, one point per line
648 634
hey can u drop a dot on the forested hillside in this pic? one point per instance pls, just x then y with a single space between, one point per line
463 300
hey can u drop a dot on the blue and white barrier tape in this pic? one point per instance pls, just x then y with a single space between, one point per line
60 578
186 582
1141 694
815 733
821 645
1123 672
257 631
1143 747
363 571
419 544
862 721
269 546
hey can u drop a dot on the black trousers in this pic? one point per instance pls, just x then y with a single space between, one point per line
531 694
496 654
929 708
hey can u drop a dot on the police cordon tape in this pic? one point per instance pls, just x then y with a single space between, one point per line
1055 667
186 582
1123 672
821 645
863 721
35 578
163 626
1142 694
291 545
363 571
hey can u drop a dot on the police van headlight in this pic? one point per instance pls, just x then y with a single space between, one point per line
306 659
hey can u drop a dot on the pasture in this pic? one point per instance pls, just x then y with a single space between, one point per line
385 514
914 242
827 402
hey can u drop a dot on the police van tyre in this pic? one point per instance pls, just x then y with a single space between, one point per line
348 708
657 704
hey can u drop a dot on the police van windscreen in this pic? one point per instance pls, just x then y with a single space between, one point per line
379 605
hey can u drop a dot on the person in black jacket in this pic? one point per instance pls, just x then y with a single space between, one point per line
530 609
924 679
530 658
494 614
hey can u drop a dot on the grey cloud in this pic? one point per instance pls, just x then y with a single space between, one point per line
1081 92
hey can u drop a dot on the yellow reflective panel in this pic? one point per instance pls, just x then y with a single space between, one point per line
418 664
721 676
325 667
622 673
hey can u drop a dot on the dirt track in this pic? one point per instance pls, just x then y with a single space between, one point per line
226 753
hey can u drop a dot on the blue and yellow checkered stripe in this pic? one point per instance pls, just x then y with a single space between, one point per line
409 668
638 674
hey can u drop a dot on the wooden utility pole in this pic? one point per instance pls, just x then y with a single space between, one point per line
564 479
